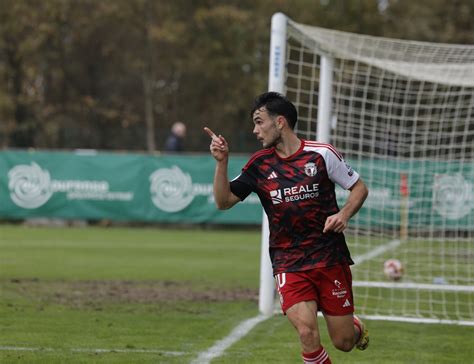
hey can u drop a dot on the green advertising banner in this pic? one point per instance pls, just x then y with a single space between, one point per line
435 195
138 187
126 187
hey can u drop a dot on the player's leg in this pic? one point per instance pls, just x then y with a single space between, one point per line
342 331
298 301
303 316
347 331
337 304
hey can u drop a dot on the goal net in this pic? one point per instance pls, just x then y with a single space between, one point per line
402 114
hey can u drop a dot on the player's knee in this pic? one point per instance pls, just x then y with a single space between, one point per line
307 334
344 343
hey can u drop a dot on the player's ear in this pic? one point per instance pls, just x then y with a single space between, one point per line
281 121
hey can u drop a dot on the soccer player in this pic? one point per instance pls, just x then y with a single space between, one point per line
295 181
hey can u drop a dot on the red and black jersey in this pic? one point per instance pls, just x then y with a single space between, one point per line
298 194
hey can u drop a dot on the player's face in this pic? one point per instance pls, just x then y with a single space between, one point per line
265 128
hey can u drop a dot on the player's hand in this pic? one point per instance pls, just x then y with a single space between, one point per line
335 223
219 147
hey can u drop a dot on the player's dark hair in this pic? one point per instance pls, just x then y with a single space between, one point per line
276 104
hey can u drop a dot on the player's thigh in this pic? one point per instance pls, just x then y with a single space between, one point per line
340 327
303 314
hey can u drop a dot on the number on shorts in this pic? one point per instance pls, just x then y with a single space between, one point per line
281 279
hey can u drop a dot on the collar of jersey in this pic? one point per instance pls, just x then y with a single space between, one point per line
292 155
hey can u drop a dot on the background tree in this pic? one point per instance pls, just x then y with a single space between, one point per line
115 74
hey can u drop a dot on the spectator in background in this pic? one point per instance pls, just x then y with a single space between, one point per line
175 140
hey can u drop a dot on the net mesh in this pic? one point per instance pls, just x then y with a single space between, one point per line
402 115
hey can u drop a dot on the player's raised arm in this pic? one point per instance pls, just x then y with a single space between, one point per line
219 148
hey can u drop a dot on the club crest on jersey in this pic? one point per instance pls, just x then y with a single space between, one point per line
350 171
310 169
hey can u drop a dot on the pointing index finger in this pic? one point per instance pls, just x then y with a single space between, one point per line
211 134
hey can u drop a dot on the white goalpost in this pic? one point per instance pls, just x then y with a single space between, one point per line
402 113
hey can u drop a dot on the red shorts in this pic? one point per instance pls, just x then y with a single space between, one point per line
330 287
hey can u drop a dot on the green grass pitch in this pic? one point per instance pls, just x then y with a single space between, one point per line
148 295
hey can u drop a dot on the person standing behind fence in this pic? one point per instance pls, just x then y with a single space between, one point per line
175 140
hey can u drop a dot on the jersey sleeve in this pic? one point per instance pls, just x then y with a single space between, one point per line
242 185
339 171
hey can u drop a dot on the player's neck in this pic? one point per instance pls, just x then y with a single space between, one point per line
288 146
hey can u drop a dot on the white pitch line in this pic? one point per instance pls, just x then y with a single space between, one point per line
87 350
19 348
417 320
145 351
220 346
377 251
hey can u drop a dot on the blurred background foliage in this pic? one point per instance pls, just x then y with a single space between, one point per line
115 74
